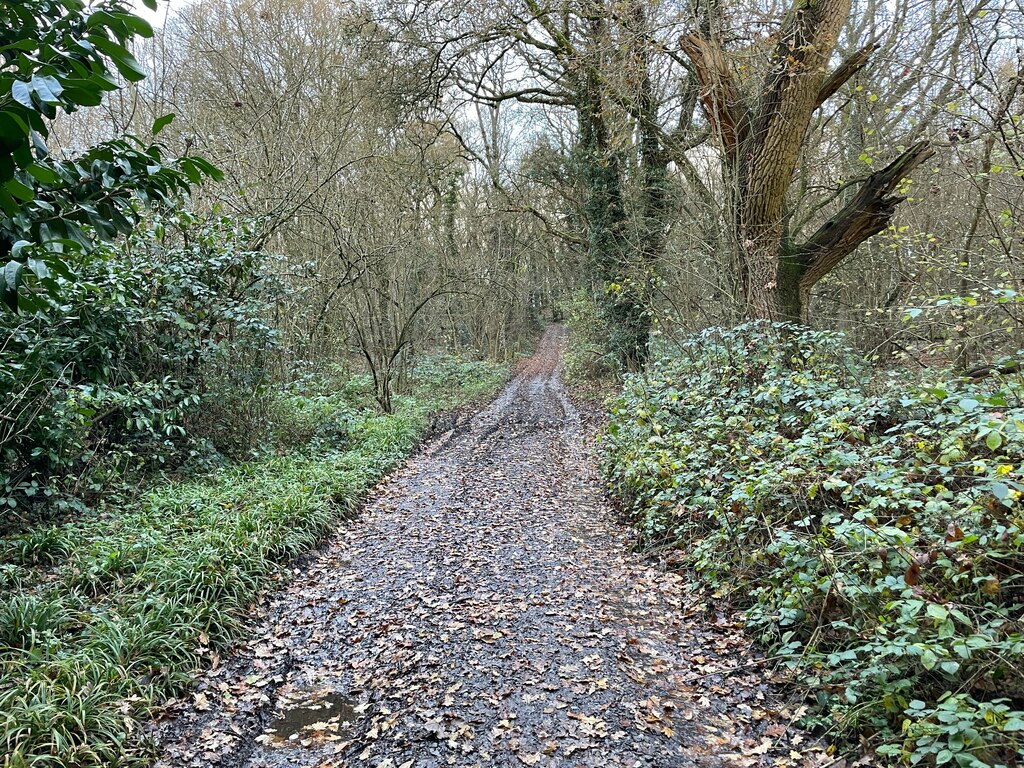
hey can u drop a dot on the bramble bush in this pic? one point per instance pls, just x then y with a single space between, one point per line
871 526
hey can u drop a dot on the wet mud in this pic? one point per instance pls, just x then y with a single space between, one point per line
486 609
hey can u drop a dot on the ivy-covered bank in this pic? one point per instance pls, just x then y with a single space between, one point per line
104 617
872 528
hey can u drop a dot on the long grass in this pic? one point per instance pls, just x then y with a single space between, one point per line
103 619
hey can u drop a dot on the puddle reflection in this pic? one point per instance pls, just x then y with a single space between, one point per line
325 715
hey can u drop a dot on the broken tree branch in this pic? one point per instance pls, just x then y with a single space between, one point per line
842 74
867 214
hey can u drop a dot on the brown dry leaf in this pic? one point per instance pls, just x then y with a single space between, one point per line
991 586
912 575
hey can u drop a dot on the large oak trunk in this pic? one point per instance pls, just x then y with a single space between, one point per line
761 136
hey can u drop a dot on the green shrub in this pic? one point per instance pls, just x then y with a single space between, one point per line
448 380
871 527
160 342
321 421
587 355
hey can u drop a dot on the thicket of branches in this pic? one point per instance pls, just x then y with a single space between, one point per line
392 233
434 171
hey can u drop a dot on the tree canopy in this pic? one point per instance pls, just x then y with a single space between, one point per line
58 57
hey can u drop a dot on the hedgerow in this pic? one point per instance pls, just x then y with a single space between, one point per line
870 527
105 617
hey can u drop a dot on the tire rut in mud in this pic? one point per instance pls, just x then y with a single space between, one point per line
486 610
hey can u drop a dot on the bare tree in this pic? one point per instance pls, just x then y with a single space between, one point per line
761 136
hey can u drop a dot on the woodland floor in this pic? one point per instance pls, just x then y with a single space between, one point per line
486 610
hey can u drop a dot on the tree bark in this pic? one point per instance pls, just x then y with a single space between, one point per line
761 138
788 100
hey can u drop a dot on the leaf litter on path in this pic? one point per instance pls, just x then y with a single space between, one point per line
486 610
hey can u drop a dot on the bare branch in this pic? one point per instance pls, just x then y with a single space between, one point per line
863 217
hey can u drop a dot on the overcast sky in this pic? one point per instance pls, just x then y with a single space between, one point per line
156 18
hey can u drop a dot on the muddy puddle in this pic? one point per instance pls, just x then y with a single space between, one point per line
320 716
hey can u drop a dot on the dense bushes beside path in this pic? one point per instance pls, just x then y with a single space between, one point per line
157 351
103 618
871 526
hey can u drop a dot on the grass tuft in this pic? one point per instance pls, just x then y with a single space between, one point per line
109 616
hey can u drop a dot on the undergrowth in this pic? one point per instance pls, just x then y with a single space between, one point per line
871 527
589 368
104 618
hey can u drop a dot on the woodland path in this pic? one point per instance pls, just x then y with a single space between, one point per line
486 610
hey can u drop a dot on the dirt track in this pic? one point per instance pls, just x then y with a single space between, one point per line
486 610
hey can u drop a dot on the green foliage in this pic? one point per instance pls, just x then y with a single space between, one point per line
60 56
447 380
26 620
44 545
316 419
872 528
163 341
587 357
131 603
957 730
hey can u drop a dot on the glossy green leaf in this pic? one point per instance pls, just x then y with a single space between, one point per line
162 122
